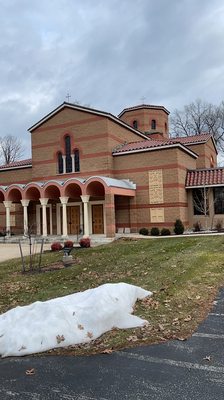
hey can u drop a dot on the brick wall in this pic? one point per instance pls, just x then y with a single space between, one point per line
144 117
137 167
22 175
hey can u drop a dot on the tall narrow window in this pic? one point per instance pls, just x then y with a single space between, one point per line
68 158
200 198
153 124
60 163
77 163
218 194
135 124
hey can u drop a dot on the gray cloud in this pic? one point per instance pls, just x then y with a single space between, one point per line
107 54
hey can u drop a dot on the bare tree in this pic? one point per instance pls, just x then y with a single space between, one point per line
10 149
200 117
203 203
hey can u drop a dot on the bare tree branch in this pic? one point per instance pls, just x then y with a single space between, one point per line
10 149
200 117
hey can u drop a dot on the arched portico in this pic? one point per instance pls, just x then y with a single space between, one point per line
68 207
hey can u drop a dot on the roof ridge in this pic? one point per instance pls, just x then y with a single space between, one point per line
139 106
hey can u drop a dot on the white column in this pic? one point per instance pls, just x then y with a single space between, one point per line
64 164
73 162
85 200
43 202
64 201
7 205
25 204
58 218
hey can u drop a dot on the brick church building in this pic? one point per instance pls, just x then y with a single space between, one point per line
93 173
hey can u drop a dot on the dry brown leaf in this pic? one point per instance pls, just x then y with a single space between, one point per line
107 351
132 338
188 318
30 371
80 327
60 338
90 335
161 327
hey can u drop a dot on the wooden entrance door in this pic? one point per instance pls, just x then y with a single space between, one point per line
97 219
73 220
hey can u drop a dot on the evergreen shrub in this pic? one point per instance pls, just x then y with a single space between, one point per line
144 231
165 232
154 231
178 227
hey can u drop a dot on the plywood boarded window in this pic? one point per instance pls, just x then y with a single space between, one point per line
157 215
156 186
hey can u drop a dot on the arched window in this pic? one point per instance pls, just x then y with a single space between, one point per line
68 158
135 124
77 163
153 124
60 163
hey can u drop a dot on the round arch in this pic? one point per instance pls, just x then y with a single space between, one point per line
95 188
2 195
32 192
14 194
72 190
52 191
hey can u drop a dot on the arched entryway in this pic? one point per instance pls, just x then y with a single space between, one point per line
96 192
73 192
14 211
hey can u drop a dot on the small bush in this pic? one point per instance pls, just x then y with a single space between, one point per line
56 246
178 227
218 225
154 231
68 243
197 227
165 232
84 242
144 231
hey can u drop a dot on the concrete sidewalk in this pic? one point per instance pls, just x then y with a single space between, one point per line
188 370
9 251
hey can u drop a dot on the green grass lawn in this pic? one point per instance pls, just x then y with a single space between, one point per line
184 274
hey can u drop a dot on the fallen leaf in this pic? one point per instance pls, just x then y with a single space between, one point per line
107 351
132 338
80 327
161 327
90 335
207 358
188 318
60 338
30 371
22 348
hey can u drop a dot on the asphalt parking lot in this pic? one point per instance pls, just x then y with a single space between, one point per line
191 369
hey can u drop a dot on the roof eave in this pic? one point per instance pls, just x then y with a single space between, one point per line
89 110
148 106
178 145
16 167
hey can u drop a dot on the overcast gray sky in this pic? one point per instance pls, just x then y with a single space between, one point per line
108 54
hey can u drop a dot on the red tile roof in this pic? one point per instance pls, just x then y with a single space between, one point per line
205 177
202 138
140 106
149 144
17 164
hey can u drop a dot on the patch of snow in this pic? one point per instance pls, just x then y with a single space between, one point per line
69 320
